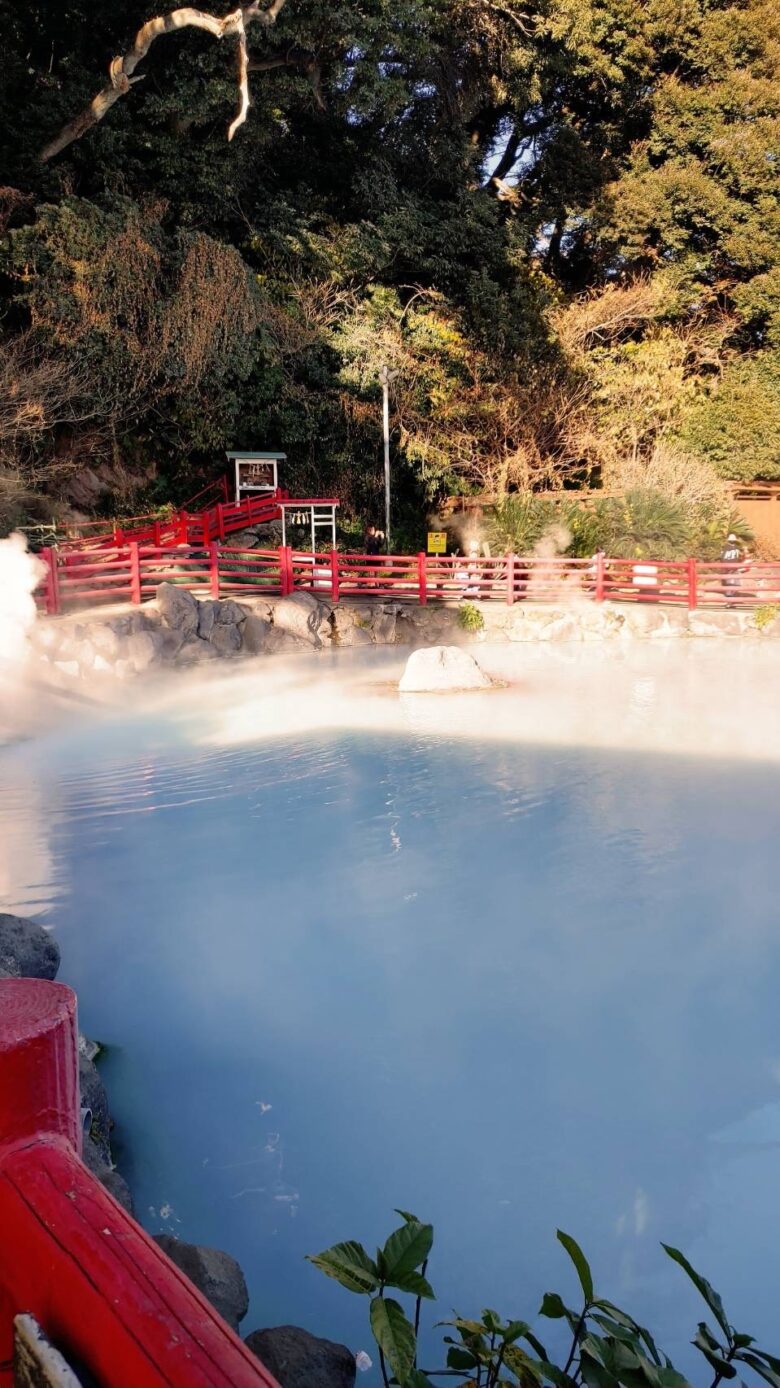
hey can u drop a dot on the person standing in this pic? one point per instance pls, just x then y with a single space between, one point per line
732 555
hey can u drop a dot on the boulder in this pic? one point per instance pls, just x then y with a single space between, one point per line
26 949
228 613
226 640
214 1273
141 649
383 626
303 616
207 615
195 650
106 1174
94 1098
178 608
300 1360
254 634
437 669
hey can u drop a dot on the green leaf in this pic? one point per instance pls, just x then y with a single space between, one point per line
523 1367
407 1248
552 1306
756 1361
395 1336
669 1378
350 1265
409 1218
702 1286
580 1262
413 1282
743 1341
459 1358
491 1321
514 1330
417 1379
707 1345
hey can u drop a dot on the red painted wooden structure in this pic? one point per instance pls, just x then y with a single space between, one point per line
103 1292
130 572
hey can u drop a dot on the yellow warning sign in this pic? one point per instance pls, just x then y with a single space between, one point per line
437 542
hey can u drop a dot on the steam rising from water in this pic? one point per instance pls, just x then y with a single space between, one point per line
20 574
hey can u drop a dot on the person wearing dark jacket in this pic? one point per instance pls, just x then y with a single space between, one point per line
732 555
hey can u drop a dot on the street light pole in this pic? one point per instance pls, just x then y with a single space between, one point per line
385 377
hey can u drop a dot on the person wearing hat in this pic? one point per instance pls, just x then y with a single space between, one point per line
732 555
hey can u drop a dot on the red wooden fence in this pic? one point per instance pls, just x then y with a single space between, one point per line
103 1292
131 572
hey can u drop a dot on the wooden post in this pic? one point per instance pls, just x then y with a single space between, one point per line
334 575
214 569
285 570
135 574
600 576
39 1073
220 521
510 579
183 528
693 585
157 534
422 578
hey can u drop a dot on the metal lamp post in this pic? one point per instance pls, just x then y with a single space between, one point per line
385 377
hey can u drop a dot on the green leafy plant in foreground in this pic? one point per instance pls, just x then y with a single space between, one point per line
765 615
607 1347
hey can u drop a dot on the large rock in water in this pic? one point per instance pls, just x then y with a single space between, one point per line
214 1273
438 669
26 949
300 1360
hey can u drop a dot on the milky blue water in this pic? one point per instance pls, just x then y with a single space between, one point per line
509 988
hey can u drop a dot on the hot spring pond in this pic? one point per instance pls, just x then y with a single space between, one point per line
510 984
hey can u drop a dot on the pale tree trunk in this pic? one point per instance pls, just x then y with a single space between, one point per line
122 68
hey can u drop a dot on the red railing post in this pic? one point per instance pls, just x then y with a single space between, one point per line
49 557
693 585
135 574
422 578
510 579
214 569
220 521
157 534
183 528
334 575
600 576
285 570
224 485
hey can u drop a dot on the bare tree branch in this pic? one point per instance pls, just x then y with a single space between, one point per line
122 68
294 57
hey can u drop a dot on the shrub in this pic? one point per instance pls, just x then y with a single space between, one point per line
765 615
470 618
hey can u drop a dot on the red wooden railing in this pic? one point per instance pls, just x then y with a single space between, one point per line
103 1292
131 572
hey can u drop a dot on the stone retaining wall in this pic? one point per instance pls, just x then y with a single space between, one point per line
178 629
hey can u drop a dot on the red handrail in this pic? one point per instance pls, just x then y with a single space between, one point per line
130 571
69 1254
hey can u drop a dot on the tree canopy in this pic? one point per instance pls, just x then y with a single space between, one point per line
560 222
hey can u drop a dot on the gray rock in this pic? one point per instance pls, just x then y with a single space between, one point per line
226 640
303 616
194 651
300 1360
439 669
94 1098
170 644
107 1175
229 613
214 1273
207 615
141 649
26 949
383 627
254 634
178 608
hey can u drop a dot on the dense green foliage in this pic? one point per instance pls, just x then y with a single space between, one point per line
605 1346
560 223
